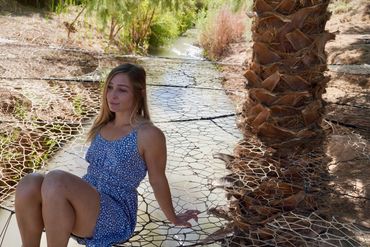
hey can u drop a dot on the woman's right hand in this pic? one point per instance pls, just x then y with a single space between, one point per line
183 218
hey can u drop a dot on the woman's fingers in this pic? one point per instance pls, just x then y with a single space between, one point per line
188 215
193 214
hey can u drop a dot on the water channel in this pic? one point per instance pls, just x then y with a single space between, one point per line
188 103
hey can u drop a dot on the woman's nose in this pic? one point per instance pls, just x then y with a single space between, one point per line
114 94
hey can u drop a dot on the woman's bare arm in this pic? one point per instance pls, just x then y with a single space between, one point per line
155 155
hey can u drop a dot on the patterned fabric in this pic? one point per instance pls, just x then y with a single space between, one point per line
115 170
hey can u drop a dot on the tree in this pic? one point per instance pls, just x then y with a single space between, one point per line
280 164
131 19
286 75
116 13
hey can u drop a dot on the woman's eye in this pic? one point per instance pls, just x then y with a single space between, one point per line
118 89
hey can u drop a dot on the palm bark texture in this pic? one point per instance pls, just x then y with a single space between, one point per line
278 185
286 75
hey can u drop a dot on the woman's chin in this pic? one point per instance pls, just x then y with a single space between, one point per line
113 109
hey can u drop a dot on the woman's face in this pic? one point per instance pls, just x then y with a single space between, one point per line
120 97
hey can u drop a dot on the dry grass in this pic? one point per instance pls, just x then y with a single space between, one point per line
27 24
341 6
225 28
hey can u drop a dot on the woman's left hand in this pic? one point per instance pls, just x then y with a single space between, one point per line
183 218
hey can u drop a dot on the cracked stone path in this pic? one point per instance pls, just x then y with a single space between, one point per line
188 103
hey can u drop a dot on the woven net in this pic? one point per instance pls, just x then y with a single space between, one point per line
292 200
44 122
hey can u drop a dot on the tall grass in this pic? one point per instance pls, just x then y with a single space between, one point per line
220 28
340 6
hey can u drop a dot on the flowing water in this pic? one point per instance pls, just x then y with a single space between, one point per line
183 47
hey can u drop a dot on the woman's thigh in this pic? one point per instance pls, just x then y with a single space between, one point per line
83 197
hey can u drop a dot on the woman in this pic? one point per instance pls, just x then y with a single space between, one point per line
101 207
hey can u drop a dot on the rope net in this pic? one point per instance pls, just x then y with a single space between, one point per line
291 200
38 118
44 122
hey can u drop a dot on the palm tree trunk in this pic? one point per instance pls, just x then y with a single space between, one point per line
279 169
286 75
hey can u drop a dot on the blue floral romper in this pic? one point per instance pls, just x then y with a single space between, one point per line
115 169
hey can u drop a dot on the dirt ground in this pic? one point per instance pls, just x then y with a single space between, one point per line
348 94
25 25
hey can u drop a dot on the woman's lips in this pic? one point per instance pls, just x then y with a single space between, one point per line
113 105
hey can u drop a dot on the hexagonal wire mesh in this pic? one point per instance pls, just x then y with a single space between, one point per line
44 121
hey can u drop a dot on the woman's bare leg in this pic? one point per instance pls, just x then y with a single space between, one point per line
28 209
69 205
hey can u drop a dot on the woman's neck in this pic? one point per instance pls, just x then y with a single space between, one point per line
122 119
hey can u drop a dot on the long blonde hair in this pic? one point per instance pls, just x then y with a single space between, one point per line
137 77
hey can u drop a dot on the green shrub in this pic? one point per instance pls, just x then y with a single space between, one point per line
165 27
186 17
170 24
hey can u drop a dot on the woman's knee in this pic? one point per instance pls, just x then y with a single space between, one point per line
29 187
54 184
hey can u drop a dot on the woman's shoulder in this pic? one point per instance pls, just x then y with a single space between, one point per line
149 133
149 129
